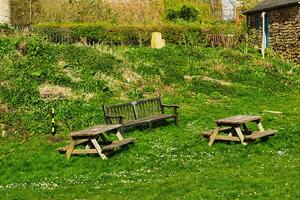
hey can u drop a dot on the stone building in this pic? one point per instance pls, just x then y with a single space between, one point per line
276 24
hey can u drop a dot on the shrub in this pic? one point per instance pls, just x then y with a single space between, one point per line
171 15
6 29
188 13
105 33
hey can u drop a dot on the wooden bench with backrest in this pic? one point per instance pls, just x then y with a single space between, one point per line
138 113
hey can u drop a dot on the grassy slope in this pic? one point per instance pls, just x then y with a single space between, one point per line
166 163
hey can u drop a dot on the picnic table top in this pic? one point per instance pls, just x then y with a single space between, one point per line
238 119
96 130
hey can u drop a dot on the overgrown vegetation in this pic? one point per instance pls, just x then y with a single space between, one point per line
26 12
185 13
138 34
166 163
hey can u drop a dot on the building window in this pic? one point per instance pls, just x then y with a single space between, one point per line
257 22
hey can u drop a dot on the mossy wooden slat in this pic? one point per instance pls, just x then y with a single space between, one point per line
238 120
209 133
117 144
257 135
84 151
78 142
228 138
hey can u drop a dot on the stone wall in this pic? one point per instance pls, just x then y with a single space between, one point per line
284 31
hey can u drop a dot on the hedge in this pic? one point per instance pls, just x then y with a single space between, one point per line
123 34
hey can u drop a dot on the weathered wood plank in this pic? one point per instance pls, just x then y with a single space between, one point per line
209 133
84 151
238 120
214 135
78 142
257 135
240 134
98 148
117 144
140 112
94 131
71 148
228 138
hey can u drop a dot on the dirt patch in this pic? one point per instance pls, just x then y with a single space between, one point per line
48 92
22 48
3 108
56 139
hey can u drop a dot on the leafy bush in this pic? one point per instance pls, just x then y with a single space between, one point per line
6 29
186 13
171 15
105 33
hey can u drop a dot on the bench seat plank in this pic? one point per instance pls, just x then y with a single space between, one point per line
148 119
257 135
228 138
65 148
209 133
118 144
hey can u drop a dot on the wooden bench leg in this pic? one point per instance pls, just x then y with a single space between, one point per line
176 120
70 150
240 134
98 148
214 135
150 125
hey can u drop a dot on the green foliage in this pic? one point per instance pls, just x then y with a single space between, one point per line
6 29
171 15
188 13
185 13
207 84
106 33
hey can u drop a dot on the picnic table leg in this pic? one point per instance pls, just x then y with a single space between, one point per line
119 136
98 148
240 134
260 126
214 135
70 150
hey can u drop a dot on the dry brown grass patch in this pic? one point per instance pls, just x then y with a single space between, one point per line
131 76
206 78
4 108
48 92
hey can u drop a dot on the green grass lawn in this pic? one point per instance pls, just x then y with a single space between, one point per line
168 162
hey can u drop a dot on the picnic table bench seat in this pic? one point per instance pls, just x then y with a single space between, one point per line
137 113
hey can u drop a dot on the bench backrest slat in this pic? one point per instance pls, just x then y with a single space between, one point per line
136 109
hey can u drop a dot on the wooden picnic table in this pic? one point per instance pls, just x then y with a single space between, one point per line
235 129
90 137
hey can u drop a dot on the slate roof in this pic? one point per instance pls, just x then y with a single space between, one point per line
271 4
